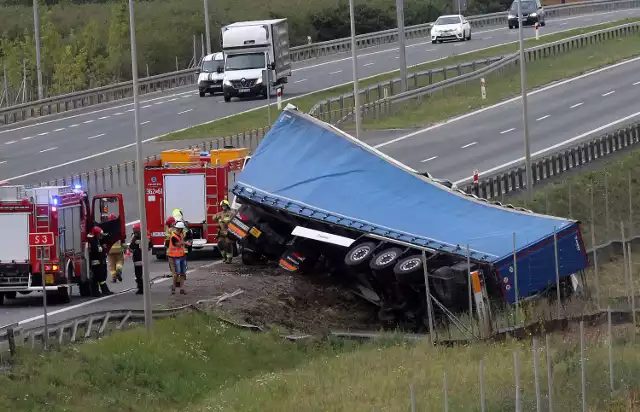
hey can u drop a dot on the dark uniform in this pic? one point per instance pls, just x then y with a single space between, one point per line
98 262
136 250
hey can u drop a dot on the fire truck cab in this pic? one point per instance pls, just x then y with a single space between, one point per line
193 182
66 212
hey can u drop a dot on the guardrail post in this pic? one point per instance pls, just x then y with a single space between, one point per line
12 341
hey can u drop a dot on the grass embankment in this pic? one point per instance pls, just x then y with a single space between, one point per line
506 84
193 364
258 118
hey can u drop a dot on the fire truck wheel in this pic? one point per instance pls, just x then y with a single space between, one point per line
64 294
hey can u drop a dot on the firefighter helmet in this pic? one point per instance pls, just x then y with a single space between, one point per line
112 216
136 227
180 225
96 231
170 221
224 202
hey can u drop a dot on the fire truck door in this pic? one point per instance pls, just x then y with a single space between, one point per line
103 206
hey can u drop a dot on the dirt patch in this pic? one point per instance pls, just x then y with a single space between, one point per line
272 297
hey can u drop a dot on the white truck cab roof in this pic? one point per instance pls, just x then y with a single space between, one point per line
213 56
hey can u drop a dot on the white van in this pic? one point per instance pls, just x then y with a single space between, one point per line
211 74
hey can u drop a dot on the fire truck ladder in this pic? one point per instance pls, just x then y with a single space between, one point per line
213 203
42 225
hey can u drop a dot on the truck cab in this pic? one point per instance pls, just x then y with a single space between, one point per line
211 74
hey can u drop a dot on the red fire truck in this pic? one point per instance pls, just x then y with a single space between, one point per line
194 186
64 211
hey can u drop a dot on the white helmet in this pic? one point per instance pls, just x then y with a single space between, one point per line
180 225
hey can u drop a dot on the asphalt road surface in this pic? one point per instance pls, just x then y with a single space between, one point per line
492 139
94 138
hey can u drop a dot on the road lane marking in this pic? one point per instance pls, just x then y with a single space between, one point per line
304 80
555 146
576 105
429 159
4 161
605 95
73 125
145 107
505 102
174 99
100 135
432 49
91 121
27 138
117 114
106 117
339 71
367 64
59 130
130 110
14 141
469 145
187 111
158 102
508 130
43 134
539 119
635 84
48 150
485 38
149 121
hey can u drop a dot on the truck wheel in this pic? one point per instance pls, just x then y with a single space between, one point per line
64 294
10 295
382 265
250 258
409 270
85 289
202 94
359 255
227 98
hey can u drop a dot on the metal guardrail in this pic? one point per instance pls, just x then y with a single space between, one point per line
91 97
513 180
388 92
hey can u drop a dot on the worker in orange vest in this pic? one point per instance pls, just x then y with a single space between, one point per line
176 253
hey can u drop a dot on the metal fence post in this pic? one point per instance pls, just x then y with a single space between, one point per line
413 398
445 392
549 371
632 289
536 373
482 396
582 369
610 333
516 370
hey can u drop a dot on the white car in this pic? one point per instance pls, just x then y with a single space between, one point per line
451 27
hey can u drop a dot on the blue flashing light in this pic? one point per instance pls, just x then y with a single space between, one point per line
77 186
55 201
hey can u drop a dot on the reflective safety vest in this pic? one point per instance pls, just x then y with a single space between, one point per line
176 251
223 218
116 248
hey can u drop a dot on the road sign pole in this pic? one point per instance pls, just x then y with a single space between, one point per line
523 91
146 281
45 336
36 26
401 42
206 25
354 66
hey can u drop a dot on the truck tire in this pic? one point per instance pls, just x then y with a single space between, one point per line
445 288
202 94
408 270
10 295
250 258
64 294
382 264
227 98
359 255
85 289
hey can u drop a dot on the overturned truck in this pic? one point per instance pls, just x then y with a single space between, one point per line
312 194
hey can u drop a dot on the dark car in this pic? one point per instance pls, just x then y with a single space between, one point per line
532 13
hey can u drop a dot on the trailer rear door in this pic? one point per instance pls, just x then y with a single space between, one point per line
17 226
187 193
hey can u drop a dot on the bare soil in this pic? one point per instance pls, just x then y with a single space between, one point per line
274 298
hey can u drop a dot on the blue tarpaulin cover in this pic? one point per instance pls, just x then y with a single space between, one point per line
309 168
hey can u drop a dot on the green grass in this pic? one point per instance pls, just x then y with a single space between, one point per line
188 358
506 84
258 118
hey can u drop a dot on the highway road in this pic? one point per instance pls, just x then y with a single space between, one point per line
97 137
492 139
487 139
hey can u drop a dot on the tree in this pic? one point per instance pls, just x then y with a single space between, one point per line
69 70
118 46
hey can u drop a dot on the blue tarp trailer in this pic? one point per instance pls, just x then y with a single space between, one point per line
310 169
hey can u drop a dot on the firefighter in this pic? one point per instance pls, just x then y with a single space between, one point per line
116 257
136 248
225 243
168 231
176 253
98 259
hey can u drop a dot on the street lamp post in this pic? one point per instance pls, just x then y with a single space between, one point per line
36 25
354 64
401 44
206 25
525 117
148 320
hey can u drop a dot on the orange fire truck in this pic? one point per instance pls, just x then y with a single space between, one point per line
193 182
64 211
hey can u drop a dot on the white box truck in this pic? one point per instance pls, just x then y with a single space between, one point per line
251 48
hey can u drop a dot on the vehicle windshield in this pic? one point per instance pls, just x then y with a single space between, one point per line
526 5
447 20
245 61
211 66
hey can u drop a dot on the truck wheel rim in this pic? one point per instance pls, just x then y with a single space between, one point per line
360 253
409 264
386 258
